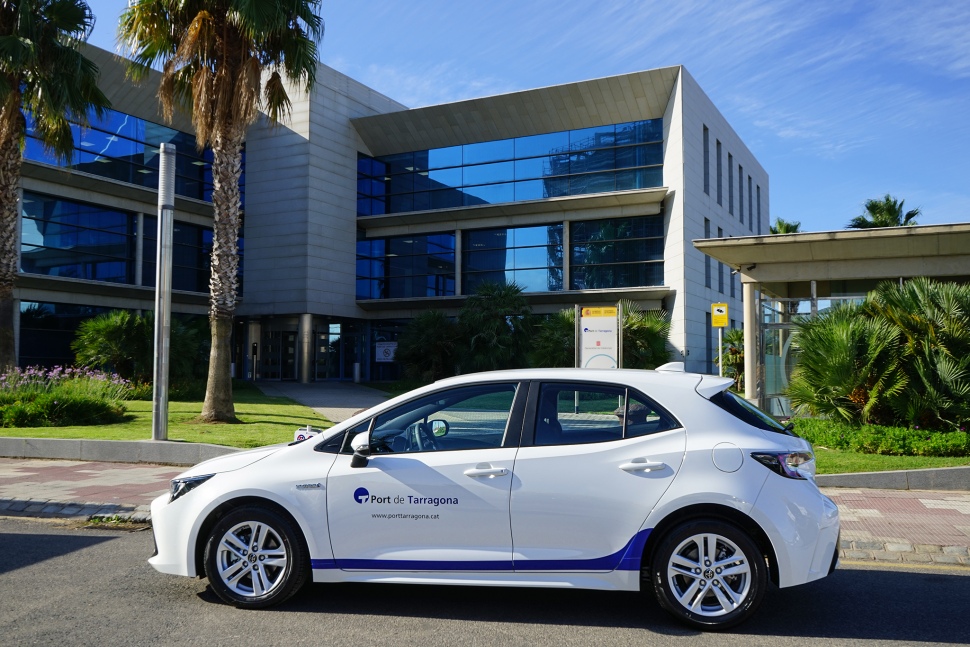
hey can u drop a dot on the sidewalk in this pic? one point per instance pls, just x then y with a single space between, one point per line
881 525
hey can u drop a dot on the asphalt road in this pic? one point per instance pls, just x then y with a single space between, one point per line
61 585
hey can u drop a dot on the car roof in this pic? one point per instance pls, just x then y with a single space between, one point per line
706 385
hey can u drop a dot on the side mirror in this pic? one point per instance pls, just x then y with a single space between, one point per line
362 451
439 428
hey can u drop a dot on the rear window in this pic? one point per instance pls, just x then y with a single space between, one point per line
744 410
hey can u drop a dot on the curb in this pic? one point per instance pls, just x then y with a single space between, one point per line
939 478
157 452
877 551
37 508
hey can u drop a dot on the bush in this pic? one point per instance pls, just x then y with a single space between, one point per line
36 397
876 439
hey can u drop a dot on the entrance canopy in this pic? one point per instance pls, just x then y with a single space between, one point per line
781 272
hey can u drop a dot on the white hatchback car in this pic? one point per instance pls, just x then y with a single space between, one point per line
598 479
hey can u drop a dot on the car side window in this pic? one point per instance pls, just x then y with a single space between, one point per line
569 414
470 417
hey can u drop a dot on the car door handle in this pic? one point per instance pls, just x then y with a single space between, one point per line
484 470
642 465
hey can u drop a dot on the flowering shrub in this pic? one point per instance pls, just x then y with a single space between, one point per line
39 397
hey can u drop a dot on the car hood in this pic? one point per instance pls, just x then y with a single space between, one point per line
230 462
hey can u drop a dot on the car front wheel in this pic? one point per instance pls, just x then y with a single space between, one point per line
255 558
709 574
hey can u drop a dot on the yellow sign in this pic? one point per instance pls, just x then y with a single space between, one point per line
719 315
599 312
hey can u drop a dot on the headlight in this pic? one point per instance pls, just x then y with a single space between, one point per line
793 465
185 485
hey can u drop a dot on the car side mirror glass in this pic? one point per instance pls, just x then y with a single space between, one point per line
439 428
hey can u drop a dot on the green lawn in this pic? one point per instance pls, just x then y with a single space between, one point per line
266 421
833 461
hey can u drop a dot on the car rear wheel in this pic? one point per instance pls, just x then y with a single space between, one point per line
709 574
255 558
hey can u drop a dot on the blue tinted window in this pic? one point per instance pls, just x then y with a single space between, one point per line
598 137
489 194
494 151
406 266
538 145
619 252
542 166
444 157
125 148
488 173
529 256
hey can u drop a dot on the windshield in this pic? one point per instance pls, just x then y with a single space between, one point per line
744 410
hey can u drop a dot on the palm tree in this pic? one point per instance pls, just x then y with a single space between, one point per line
785 227
497 322
213 55
887 212
43 75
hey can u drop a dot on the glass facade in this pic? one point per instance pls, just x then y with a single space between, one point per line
47 330
125 148
576 162
530 257
84 241
406 266
76 240
617 253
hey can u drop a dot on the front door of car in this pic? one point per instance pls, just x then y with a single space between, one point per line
599 461
434 493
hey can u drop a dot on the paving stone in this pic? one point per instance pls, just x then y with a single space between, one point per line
17 506
868 545
53 508
886 556
922 558
946 559
6 503
845 544
856 554
929 548
35 507
71 509
956 550
900 548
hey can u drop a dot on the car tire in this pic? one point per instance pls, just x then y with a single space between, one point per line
255 558
709 574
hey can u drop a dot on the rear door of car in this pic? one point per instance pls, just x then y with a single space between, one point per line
595 460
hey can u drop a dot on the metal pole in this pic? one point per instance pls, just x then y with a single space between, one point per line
720 351
619 334
163 289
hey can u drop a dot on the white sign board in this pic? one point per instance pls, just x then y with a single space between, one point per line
598 338
384 351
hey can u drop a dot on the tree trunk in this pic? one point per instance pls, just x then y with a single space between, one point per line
218 406
10 162
223 278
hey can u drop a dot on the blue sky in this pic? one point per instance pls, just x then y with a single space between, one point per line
840 101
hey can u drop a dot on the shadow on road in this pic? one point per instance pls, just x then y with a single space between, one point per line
21 550
908 607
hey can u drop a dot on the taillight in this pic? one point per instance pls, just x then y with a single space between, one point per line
793 465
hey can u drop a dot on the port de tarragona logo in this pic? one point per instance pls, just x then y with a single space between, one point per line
361 495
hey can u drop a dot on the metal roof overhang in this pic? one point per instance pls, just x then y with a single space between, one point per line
925 250
610 100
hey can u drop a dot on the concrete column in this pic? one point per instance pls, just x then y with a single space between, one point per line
458 286
305 335
139 247
752 350
565 255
